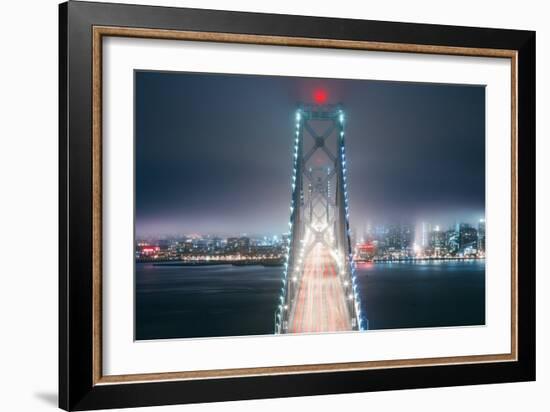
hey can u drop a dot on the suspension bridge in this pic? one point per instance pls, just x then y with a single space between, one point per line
319 289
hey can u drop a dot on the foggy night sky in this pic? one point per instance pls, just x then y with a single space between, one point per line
214 152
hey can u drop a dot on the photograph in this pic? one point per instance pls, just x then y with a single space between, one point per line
258 204
289 205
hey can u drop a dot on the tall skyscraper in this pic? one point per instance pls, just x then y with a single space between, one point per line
452 240
407 236
400 236
467 236
437 240
426 232
481 235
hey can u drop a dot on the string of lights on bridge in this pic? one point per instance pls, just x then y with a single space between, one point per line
320 98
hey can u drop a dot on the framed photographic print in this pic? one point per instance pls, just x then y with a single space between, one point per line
257 205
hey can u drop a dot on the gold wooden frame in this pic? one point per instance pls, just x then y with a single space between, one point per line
101 31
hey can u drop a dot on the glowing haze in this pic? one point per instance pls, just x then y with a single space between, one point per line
214 152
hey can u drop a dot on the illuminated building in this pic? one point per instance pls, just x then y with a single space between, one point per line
238 244
481 235
467 236
426 233
365 251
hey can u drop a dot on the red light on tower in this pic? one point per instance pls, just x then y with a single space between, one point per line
320 96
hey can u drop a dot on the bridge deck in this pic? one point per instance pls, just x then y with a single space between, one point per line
320 305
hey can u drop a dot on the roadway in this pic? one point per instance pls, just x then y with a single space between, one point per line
320 304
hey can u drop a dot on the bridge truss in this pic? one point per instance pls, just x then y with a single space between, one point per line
319 291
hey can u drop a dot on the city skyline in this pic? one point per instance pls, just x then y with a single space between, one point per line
359 228
414 150
374 243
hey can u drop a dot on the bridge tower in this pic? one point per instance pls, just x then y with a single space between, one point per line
319 290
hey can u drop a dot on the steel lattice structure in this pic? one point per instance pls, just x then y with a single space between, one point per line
319 227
